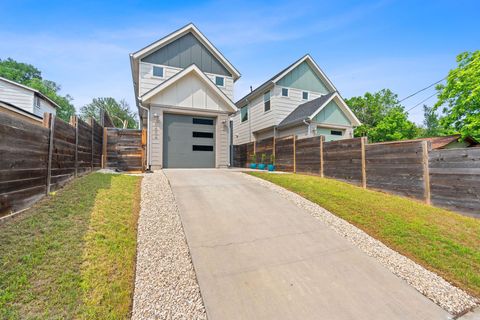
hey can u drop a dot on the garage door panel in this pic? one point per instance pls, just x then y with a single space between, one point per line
189 142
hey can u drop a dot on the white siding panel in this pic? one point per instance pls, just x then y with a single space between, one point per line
18 96
147 81
190 92
45 106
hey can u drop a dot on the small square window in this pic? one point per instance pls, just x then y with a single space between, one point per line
220 81
336 133
305 95
244 113
284 92
158 71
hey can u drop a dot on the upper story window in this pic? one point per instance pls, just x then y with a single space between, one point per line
284 92
244 113
36 101
158 71
305 95
266 101
336 133
220 81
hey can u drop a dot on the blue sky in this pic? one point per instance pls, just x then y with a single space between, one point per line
361 45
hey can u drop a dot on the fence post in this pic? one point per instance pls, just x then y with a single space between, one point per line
426 171
74 122
294 154
363 141
92 124
322 139
104 148
49 121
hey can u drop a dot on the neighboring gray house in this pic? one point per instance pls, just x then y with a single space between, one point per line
298 100
184 89
18 96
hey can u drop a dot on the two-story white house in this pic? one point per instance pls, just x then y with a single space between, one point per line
184 92
17 98
299 100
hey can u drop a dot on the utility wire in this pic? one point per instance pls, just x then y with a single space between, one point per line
421 102
421 90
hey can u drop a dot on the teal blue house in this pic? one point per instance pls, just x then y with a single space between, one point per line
298 100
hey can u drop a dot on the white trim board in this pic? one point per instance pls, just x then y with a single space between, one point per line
193 68
343 106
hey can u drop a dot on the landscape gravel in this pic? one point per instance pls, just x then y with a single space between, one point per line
166 286
434 287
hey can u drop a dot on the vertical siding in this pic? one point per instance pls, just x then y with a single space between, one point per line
304 78
16 95
332 114
183 52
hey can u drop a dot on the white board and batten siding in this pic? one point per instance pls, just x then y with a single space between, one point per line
148 81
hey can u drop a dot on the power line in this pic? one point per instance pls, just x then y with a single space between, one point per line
421 102
421 90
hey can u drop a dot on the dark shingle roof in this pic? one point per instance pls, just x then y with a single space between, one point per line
305 110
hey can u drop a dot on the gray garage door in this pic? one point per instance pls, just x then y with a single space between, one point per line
188 142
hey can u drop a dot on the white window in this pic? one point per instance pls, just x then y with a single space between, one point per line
220 81
284 92
36 101
158 71
305 95
244 113
266 101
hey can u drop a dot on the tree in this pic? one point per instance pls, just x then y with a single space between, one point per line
371 108
118 111
394 126
432 126
460 96
30 76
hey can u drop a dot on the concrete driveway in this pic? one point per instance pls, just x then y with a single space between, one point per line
259 256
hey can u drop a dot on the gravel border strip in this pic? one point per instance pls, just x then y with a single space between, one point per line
166 286
434 287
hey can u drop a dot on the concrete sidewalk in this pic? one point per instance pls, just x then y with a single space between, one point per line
258 256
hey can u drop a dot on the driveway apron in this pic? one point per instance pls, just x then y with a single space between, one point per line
259 256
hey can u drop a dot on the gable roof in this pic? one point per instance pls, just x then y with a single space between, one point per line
189 28
35 91
191 69
309 109
270 82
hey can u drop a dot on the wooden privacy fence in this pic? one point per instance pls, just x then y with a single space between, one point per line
36 159
448 178
125 149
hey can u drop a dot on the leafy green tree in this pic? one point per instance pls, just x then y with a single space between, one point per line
432 126
460 96
118 111
30 76
371 108
394 126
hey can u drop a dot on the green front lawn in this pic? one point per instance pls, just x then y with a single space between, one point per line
442 241
73 254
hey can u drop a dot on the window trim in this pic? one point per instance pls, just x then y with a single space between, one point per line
163 72
308 95
288 92
247 113
220 77
269 101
